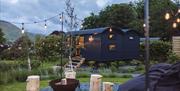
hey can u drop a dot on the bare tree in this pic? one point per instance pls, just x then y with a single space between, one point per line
71 16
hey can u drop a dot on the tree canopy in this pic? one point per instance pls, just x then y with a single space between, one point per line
19 49
2 39
117 15
132 16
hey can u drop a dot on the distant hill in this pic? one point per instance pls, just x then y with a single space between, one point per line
12 32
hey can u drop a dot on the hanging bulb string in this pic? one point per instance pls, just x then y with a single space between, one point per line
48 19
22 31
45 25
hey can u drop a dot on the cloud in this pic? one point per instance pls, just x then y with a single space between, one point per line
10 1
36 10
102 3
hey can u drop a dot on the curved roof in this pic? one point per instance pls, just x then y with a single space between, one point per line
98 30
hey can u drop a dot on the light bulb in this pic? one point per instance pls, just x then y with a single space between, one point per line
144 25
45 26
178 20
22 31
91 38
179 10
60 19
167 16
110 30
81 26
174 25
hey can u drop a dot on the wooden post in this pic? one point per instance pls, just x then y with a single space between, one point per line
33 83
107 86
176 45
95 82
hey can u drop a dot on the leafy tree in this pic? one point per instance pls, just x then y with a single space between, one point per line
91 21
19 49
2 39
159 27
49 48
132 15
117 15
159 50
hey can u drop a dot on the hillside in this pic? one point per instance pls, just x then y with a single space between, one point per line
12 32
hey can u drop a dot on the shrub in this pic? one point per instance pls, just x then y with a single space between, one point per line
7 77
21 75
135 62
122 63
35 64
158 50
83 75
126 76
91 63
172 57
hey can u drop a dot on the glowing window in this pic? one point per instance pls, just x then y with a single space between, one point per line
111 36
131 38
91 38
112 47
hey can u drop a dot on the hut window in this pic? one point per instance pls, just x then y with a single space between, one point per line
91 38
111 36
131 38
112 47
81 41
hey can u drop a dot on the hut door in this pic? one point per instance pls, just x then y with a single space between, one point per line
79 45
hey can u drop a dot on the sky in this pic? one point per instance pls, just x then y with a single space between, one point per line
37 10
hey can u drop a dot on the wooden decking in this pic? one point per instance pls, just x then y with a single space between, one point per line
76 63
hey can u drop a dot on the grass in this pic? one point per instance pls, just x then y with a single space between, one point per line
50 64
21 86
113 80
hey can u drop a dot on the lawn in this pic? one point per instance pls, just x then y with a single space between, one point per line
21 86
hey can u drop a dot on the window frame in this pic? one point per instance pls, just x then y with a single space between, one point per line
112 49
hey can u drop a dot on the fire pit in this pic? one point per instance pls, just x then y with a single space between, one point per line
71 85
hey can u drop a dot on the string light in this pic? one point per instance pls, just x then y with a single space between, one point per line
91 38
144 25
174 25
22 31
174 16
45 25
179 10
178 20
81 26
110 30
60 18
45 20
167 16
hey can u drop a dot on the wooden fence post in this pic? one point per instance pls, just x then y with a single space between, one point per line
176 45
107 86
33 83
95 82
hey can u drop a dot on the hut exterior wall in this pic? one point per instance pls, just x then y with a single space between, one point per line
126 46
131 45
92 50
115 54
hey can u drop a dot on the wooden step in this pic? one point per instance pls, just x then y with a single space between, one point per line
76 63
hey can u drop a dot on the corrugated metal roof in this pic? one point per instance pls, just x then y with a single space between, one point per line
88 31
95 31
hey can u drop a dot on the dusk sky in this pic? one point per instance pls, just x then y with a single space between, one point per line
35 10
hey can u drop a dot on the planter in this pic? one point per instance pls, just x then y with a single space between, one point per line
70 75
71 85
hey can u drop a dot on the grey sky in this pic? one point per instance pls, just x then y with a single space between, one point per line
33 10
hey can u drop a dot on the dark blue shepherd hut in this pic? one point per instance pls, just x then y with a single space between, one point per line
106 44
